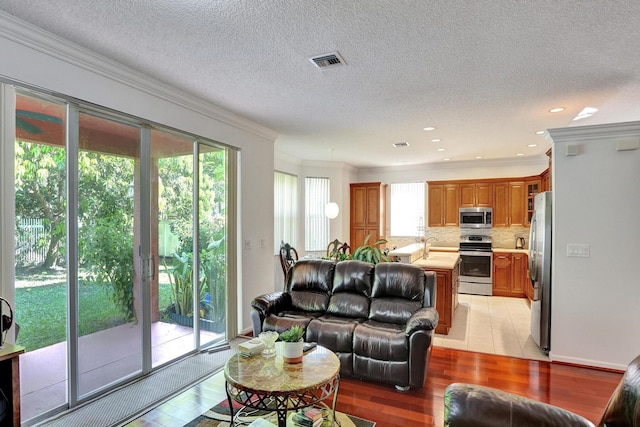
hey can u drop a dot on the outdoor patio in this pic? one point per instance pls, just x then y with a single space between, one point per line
106 356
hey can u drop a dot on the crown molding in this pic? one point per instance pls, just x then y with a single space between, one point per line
541 160
35 38
593 132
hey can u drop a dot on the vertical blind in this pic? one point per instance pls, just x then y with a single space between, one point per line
285 203
407 209
316 224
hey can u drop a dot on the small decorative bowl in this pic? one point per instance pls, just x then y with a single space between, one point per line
268 338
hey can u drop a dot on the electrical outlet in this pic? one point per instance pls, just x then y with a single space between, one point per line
247 245
578 250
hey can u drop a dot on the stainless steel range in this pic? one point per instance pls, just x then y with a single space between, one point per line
476 264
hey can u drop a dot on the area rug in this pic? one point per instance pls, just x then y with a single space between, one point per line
219 416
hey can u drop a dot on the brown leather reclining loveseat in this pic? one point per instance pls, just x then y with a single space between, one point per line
468 405
379 319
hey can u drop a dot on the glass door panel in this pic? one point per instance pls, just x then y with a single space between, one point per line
212 236
40 239
109 317
172 295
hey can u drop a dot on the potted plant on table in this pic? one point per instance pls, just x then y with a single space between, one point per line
293 344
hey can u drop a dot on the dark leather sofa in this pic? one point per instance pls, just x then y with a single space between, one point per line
379 319
468 405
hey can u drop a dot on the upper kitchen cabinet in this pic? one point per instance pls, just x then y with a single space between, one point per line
368 203
545 181
510 198
501 204
545 176
533 187
444 202
509 204
517 216
474 195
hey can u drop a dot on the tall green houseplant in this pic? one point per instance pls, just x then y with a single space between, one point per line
370 252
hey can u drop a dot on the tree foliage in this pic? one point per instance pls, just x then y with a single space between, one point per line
41 193
106 215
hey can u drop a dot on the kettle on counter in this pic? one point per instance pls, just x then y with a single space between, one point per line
519 242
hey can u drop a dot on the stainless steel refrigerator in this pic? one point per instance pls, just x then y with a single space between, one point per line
540 270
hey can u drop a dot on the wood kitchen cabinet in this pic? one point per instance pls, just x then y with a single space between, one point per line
517 200
474 195
509 204
510 274
501 204
446 296
444 202
510 198
368 203
545 181
533 188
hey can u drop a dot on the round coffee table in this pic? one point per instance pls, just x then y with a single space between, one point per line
270 384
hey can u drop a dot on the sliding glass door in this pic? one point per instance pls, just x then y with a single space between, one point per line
108 287
40 275
121 249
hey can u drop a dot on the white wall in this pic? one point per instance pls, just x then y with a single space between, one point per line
596 196
47 62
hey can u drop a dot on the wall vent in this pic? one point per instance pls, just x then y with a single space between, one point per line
328 60
401 144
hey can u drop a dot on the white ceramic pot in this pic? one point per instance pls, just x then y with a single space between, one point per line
292 352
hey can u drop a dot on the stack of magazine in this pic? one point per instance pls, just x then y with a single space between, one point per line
308 417
251 347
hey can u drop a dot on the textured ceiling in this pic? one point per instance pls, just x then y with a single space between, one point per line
484 72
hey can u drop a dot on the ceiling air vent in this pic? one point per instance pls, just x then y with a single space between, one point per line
328 60
401 144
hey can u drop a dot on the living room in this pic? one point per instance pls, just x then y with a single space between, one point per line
596 199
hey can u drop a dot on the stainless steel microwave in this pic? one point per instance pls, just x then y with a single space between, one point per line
476 217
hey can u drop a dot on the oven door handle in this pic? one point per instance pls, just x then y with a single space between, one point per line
476 253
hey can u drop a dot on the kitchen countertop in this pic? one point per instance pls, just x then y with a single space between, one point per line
436 259
506 250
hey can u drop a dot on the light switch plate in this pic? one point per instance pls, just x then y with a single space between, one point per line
578 250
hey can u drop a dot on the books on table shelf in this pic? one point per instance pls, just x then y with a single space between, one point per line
309 417
251 347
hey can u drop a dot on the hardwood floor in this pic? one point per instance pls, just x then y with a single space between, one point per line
581 390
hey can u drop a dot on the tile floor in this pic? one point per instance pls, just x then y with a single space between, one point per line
495 325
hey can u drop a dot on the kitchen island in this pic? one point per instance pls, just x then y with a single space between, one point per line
445 265
444 262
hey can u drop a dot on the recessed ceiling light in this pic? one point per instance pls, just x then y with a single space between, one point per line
446 159
520 154
532 145
441 149
478 157
539 132
556 110
430 128
436 140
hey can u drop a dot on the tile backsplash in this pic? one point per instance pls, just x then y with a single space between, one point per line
450 237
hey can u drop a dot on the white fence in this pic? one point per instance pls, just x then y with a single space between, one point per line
30 236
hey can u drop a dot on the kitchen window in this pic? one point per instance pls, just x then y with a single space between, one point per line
407 209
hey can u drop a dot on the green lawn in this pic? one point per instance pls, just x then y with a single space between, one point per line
42 312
